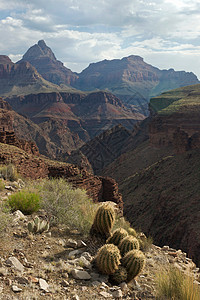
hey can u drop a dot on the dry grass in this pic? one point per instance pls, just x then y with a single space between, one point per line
172 284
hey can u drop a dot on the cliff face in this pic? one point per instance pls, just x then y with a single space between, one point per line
69 119
175 119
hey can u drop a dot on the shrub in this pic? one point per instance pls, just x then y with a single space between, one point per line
4 220
67 205
9 172
25 201
2 185
174 284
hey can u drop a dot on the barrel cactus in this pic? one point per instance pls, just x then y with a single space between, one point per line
134 262
117 236
132 231
104 220
119 276
38 226
127 244
108 259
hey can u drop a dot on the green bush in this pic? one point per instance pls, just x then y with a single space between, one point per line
25 201
174 284
2 185
67 205
9 172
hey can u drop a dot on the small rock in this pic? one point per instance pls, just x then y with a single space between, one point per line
123 286
81 244
22 280
48 234
75 297
82 275
96 283
84 262
165 248
9 188
71 243
19 215
43 285
87 256
3 272
105 294
65 283
16 289
13 261
33 279
117 294
73 253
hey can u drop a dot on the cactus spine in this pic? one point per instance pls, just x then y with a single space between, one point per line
117 236
119 276
108 259
134 262
104 220
127 244
38 226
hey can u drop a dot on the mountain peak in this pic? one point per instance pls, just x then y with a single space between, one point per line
39 50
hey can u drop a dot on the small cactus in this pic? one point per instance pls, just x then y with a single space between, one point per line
108 259
117 236
38 226
134 262
104 220
119 276
127 244
132 231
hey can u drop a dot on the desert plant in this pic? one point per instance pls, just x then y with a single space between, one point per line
25 201
117 236
104 220
132 231
66 205
2 185
174 284
134 262
108 259
145 242
9 172
127 244
38 226
5 219
121 222
119 276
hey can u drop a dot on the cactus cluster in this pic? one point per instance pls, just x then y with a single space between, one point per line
134 262
119 276
117 236
38 226
120 243
104 220
108 259
127 244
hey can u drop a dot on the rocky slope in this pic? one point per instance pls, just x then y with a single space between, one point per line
43 59
69 119
58 264
159 177
132 80
22 79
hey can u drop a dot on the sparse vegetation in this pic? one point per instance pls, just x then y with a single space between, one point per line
4 219
172 284
66 205
9 172
25 201
2 185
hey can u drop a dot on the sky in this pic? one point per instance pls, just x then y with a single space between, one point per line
166 33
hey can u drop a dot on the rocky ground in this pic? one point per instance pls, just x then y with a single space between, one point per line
58 265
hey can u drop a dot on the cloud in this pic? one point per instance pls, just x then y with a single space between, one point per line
164 32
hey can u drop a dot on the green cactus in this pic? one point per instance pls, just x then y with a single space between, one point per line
119 276
127 244
134 262
132 231
108 259
38 226
104 220
117 236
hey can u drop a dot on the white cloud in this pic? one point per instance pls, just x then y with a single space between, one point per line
165 32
